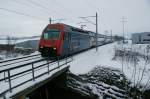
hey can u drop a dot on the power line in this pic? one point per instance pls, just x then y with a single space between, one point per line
82 22
22 3
59 5
63 6
92 5
41 6
31 16
20 13
85 18
27 15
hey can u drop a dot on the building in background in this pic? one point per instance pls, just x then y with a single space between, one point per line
141 38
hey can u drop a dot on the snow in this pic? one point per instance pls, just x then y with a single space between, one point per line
86 61
9 55
2 57
91 87
5 41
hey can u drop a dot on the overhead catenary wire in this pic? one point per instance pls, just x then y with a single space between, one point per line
22 3
28 5
54 20
38 5
60 4
23 14
35 3
43 7
31 16
92 5
85 18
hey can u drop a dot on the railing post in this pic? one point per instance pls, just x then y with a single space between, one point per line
4 96
48 66
66 60
33 72
58 61
5 76
71 58
9 81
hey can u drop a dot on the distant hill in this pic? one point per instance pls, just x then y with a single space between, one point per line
18 38
29 44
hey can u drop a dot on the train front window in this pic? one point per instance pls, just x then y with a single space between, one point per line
51 34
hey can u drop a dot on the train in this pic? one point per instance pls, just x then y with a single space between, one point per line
60 40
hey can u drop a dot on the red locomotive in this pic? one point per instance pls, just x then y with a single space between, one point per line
52 40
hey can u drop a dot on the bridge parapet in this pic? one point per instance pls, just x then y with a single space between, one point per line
16 79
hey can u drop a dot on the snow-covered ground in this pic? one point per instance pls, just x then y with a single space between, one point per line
85 62
8 55
5 41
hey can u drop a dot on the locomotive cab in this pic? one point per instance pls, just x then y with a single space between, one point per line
51 40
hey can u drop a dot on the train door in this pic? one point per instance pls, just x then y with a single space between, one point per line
66 44
69 44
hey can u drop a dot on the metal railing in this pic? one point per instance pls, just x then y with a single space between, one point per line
27 56
30 72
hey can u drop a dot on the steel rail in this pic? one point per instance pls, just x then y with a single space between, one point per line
22 65
26 59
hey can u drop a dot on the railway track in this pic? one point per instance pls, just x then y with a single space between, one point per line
20 60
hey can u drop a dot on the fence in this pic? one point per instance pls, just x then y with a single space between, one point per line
14 77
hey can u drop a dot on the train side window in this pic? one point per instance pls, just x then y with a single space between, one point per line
65 36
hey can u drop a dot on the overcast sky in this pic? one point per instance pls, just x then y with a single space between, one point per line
110 12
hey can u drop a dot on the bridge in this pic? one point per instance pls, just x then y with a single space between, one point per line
20 76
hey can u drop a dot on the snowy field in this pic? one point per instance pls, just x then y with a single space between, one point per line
12 41
138 74
8 55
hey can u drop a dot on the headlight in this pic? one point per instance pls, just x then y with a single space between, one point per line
54 48
41 46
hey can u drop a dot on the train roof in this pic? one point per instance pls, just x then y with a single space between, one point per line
72 28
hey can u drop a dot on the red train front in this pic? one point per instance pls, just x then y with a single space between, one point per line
51 40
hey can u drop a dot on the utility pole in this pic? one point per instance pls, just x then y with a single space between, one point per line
50 20
94 23
123 25
96 32
111 35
